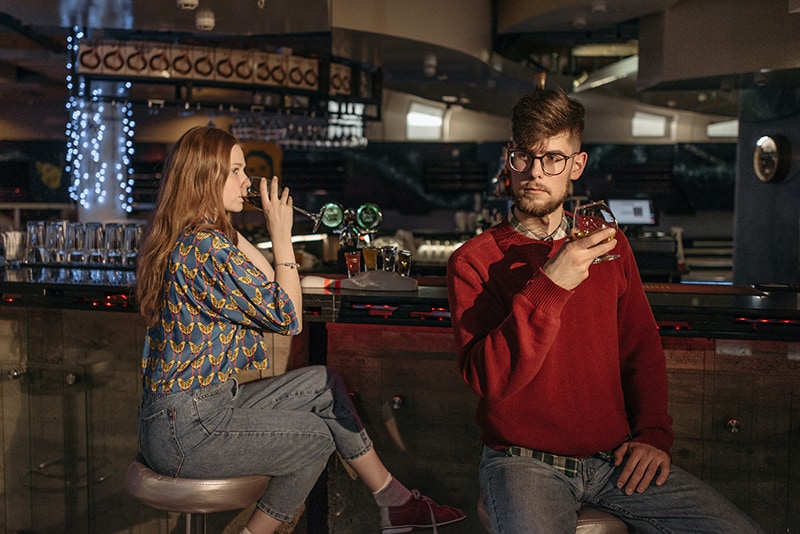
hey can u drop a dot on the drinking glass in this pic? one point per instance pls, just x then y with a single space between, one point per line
95 243
55 241
34 243
76 242
404 262
14 246
132 239
331 214
589 218
353 262
370 258
388 256
114 243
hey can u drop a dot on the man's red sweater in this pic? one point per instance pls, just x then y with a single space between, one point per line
566 372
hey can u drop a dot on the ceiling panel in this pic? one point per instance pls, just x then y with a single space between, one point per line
33 31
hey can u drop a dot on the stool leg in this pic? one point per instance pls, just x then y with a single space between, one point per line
195 523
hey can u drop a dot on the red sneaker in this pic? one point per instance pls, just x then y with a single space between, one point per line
418 512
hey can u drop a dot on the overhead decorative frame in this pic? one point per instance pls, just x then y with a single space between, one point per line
186 65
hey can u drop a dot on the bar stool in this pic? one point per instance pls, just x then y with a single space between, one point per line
590 521
193 497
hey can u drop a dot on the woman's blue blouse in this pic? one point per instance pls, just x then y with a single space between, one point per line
216 306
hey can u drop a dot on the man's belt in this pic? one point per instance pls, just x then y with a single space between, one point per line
566 464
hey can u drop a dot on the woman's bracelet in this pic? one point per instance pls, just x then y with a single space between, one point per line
290 264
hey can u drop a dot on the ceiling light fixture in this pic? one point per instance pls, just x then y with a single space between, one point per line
204 21
608 74
629 48
429 64
188 4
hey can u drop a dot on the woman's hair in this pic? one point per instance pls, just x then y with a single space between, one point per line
546 113
189 196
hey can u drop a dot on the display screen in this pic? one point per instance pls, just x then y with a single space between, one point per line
633 211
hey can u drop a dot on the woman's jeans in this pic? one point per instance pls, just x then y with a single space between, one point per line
528 496
286 427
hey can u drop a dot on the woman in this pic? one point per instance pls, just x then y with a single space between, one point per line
207 295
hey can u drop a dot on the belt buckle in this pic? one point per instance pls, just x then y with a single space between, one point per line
607 456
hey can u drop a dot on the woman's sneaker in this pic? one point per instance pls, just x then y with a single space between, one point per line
418 512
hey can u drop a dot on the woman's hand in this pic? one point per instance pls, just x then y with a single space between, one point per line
279 215
278 210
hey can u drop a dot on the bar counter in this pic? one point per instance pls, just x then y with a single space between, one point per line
683 310
72 360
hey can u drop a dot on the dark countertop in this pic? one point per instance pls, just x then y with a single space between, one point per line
687 310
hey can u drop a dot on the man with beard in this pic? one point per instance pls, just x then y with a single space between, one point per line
566 357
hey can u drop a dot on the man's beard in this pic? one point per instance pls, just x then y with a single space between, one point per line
536 209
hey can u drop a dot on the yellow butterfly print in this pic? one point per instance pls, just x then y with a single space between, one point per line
186 384
166 366
196 347
257 298
185 249
207 278
177 347
226 338
174 307
189 273
205 328
216 360
223 376
186 329
218 243
216 303
201 257
205 380
179 288
198 363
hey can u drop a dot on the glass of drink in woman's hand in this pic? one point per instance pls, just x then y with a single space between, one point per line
589 218
331 214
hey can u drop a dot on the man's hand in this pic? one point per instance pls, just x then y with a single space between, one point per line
642 463
570 265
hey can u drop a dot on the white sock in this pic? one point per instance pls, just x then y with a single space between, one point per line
245 530
393 493
385 484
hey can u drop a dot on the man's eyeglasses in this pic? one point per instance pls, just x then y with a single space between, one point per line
553 163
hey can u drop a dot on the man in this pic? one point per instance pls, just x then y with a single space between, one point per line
566 357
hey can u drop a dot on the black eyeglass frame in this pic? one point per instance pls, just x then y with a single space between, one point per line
533 157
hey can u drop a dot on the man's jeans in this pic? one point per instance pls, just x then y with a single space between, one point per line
286 427
528 496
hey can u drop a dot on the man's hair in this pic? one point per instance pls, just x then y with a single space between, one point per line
546 113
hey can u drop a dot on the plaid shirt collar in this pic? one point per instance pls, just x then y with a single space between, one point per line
559 233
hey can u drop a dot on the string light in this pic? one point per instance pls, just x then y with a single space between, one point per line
98 156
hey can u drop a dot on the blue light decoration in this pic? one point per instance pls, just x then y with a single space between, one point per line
99 139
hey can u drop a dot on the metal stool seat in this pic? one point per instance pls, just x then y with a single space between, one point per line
590 521
194 497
